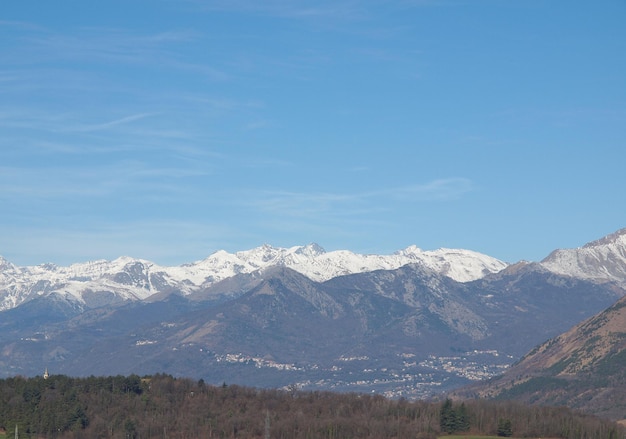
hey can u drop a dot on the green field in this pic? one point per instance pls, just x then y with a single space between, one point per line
470 436
467 436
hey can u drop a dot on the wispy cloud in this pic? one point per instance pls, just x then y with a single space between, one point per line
298 204
22 25
111 124
304 204
128 179
180 241
107 44
286 8
437 190
42 46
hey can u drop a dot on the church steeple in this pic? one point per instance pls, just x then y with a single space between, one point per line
46 374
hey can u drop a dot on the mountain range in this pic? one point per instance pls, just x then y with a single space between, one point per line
412 324
96 283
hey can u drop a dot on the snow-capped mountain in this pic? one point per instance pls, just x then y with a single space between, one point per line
600 260
125 278
95 283
121 279
319 265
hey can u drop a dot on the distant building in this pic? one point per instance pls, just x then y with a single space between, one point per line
46 375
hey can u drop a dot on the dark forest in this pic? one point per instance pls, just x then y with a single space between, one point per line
161 406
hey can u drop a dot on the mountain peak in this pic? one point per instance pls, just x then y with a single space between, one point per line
410 250
616 238
5 264
601 260
311 250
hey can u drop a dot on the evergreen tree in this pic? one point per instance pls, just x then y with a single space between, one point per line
453 419
447 417
504 428
462 418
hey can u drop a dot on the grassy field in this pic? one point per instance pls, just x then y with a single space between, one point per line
471 436
467 436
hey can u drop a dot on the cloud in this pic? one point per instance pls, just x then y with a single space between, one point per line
107 45
298 204
304 204
286 8
128 179
441 190
256 125
20 25
111 124
166 242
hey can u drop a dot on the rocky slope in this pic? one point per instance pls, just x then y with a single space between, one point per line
584 368
603 260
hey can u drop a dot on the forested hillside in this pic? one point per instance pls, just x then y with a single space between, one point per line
582 368
161 406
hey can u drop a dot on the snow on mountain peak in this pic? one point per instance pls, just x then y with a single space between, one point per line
600 260
310 250
410 250
127 278
319 265
461 265
5 264
136 279
617 239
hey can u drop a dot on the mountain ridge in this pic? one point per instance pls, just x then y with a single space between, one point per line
132 279
93 283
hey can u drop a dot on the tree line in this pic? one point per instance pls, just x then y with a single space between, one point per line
162 406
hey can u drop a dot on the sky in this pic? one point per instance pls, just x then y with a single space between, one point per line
169 129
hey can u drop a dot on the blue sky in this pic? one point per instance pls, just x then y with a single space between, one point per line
169 129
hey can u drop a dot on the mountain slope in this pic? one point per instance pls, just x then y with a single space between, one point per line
602 260
584 368
525 299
